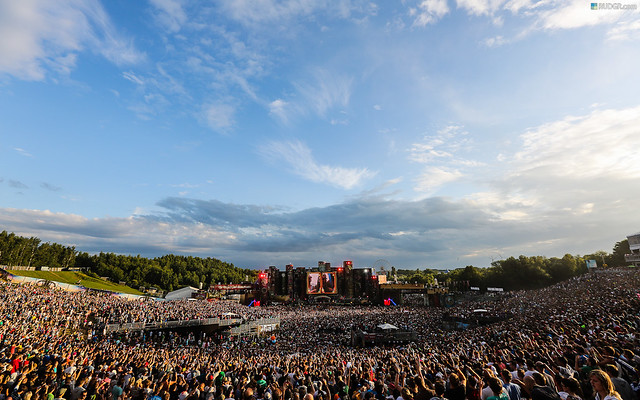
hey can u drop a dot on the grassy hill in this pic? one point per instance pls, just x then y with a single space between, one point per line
78 278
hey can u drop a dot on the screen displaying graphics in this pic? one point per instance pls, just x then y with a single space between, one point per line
321 283
314 283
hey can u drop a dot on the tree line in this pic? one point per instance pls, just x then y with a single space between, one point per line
171 272
167 273
518 273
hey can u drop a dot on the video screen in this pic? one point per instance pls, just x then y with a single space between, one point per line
321 283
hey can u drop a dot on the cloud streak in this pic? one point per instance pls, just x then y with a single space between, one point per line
429 12
325 92
38 36
302 163
441 154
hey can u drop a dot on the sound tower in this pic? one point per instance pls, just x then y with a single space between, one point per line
348 274
289 272
273 280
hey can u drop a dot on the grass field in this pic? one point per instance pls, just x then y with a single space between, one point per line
77 278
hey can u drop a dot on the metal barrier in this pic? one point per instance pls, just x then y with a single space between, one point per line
254 328
142 326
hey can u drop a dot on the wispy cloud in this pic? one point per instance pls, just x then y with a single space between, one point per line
131 77
495 41
251 13
625 30
596 145
325 91
278 108
429 12
299 158
442 155
169 14
574 14
480 7
434 177
549 15
17 184
50 187
23 152
571 167
38 36
219 116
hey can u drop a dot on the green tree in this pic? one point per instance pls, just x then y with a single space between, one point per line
616 259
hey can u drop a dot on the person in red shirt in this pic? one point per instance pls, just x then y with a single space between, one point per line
16 363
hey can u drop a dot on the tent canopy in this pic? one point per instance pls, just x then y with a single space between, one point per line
387 327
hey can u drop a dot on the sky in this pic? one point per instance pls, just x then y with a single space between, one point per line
425 133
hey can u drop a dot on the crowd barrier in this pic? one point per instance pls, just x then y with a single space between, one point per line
149 326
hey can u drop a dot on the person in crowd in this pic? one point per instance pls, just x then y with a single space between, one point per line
513 390
620 385
537 388
570 389
602 386
499 393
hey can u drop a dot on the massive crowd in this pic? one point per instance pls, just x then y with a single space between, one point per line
575 340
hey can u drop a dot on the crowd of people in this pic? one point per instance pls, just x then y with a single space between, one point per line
577 340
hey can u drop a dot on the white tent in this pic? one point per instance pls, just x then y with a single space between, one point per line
183 293
387 327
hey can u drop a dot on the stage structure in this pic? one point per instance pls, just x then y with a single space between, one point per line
342 284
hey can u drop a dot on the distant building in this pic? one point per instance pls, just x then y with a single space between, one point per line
634 245
186 292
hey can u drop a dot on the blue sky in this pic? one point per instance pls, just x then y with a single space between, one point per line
431 133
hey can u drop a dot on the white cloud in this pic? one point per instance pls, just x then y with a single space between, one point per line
106 233
23 152
442 154
326 91
516 5
424 153
170 14
625 30
434 177
550 15
278 108
575 14
429 11
302 162
440 146
597 145
496 41
39 34
480 7
219 116
575 167
131 77
324 94
252 12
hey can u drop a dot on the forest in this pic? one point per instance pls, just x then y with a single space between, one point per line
517 273
167 273
171 272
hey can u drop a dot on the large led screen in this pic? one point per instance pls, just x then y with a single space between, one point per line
321 283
